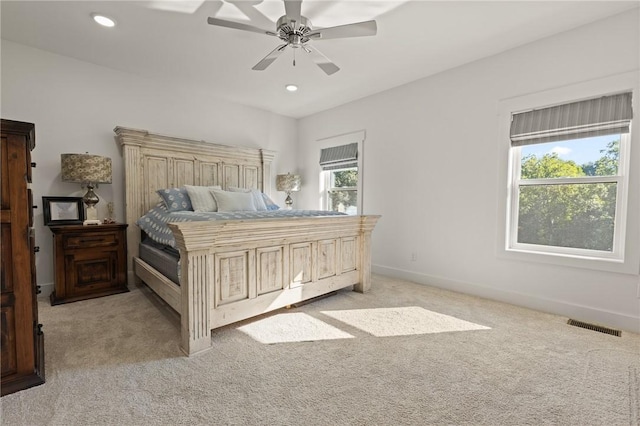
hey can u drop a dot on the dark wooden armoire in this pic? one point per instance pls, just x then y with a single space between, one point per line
22 341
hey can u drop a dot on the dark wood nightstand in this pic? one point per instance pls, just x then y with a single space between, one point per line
90 261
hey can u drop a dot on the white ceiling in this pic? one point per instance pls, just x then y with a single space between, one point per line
170 40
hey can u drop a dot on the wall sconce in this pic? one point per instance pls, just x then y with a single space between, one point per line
288 183
87 170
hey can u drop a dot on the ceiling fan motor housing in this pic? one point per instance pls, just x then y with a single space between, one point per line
292 32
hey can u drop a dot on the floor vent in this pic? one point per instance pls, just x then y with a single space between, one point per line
593 327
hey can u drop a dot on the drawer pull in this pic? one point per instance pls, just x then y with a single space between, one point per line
34 207
36 249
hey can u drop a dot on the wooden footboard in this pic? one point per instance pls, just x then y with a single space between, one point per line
233 270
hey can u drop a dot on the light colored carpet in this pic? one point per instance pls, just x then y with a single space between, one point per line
402 354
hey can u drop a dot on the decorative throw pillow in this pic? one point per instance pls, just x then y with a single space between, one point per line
258 201
233 201
201 198
175 199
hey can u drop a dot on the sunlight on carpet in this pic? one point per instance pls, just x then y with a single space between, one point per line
403 321
292 327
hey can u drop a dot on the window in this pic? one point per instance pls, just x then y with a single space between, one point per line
339 179
342 190
568 178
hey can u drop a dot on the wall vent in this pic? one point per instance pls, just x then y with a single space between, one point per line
594 327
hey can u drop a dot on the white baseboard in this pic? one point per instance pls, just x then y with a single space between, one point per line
131 280
46 290
569 310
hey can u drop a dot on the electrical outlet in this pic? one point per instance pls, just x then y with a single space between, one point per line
414 256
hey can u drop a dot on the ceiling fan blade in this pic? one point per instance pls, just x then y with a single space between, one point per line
238 26
322 61
292 9
268 60
358 29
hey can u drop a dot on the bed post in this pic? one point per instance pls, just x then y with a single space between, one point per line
132 193
267 158
196 288
195 315
367 225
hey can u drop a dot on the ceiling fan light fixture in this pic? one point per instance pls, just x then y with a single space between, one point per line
295 31
103 20
291 88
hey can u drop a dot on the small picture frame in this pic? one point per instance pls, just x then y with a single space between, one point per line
63 210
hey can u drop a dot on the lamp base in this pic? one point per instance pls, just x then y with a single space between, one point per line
289 201
92 216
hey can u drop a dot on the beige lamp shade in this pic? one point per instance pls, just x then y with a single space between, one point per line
288 183
85 168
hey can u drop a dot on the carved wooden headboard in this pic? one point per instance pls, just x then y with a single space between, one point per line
153 161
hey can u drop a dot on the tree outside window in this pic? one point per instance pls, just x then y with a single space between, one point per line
565 204
342 192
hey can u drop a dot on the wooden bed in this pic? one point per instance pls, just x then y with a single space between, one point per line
235 269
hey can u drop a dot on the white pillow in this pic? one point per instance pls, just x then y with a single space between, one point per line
201 198
233 201
258 201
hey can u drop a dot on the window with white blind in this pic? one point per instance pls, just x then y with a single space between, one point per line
569 178
340 177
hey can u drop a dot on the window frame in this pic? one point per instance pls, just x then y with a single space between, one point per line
629 261
620 179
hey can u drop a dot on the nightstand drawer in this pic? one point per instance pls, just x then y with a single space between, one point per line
90 241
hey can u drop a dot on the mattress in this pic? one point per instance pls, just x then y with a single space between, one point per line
165 260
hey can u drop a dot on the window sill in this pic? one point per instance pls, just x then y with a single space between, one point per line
574 261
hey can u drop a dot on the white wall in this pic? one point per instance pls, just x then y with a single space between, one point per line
75 106
433 161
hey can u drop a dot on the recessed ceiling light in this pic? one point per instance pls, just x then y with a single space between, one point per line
105 21
291 87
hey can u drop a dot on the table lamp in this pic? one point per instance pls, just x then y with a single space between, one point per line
288 183
87 170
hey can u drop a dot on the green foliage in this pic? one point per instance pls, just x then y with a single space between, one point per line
341 200
607 165
589 169
569 215
346 178
549 166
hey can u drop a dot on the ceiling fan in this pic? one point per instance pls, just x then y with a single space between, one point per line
296 31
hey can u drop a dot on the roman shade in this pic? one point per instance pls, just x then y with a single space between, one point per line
606 115
339 157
